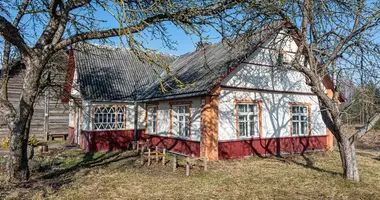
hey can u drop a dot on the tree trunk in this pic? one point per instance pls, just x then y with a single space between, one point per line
348 158
17 166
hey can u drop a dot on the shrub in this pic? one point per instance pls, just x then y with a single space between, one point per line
5 142
377 125
33 141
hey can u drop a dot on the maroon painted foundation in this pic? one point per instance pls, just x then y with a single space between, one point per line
92 141
176 145
71 135
270 146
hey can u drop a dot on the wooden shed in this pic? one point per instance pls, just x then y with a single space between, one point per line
51 115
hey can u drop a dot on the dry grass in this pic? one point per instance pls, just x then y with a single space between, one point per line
310 177
118 175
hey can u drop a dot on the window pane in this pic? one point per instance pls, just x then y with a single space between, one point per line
243 118
304 128
187 109
252 129
242 129
242 108
175 109
180 127
180 109
295 128
304 118
251 108
296 118
294 109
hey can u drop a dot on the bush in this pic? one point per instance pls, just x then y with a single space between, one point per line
377 125
33 141
6 141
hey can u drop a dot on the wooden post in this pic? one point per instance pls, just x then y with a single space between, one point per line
148 156
135 123
133 145
163 156
46 116
188 166
142 155
175 163
205 164
156 153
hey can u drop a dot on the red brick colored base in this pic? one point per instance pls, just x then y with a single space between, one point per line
177 145
92 141
270 146
71 135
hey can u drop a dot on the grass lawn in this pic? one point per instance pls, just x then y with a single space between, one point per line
119 175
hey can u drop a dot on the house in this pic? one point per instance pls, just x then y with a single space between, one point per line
225 100
50 113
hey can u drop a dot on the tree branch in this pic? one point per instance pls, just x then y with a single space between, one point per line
369 125
11 34
183 16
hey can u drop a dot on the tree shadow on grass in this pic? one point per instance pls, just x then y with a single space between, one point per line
309 164
90 161
55 179
368 155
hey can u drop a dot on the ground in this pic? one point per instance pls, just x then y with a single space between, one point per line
72 174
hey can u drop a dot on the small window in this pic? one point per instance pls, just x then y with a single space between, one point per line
181 120
152 119
300 121
248 119
109 117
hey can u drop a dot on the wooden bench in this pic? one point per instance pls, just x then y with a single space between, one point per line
151 154
58 135
202 162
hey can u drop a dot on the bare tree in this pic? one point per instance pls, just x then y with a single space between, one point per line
44 27
335 38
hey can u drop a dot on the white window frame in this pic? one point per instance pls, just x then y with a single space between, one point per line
244 125
300 117
181 121
152 119
109 117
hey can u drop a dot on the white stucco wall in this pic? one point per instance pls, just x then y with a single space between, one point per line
260 71
275 113
131 115
163 118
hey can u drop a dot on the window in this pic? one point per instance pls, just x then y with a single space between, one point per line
280 59
109 117
181 120
300 121
121 117
152 119
248 119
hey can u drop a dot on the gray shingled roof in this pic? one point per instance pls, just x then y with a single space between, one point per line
202 69
106 74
